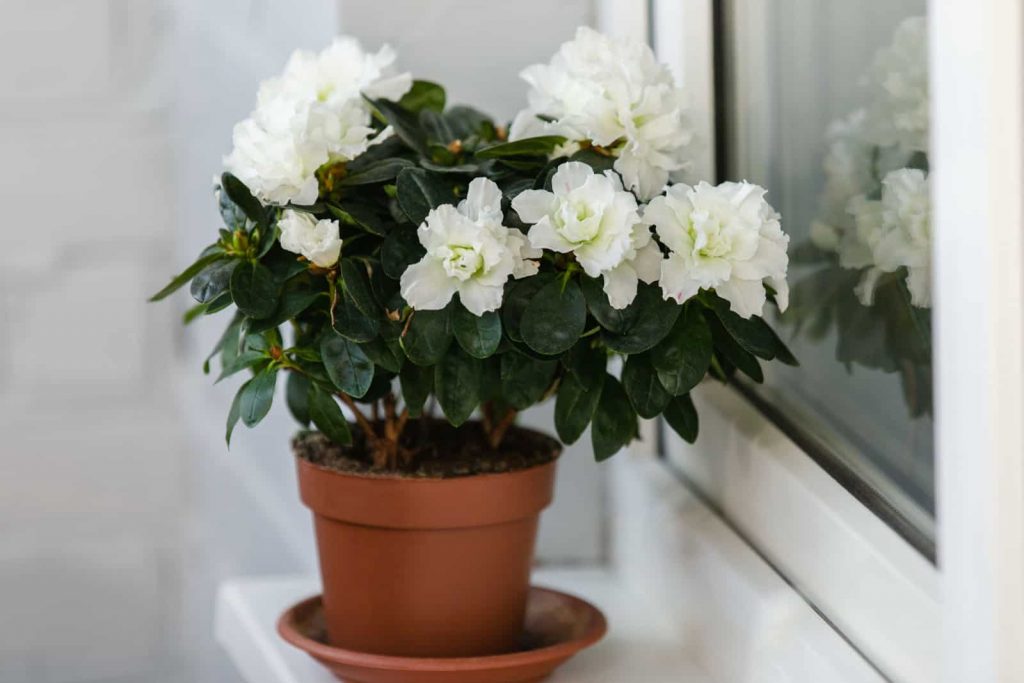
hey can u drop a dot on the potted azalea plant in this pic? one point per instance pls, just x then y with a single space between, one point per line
416 275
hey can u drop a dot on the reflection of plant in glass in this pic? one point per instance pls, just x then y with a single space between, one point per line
871 242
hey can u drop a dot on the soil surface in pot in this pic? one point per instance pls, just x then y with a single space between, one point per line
439 451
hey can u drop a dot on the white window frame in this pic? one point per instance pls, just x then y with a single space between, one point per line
911 620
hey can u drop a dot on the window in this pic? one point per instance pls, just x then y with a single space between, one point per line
826 105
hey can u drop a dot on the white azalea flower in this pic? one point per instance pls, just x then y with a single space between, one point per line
311 114
898 114
591 216
615 94
318 241
906 240
470 252
726 238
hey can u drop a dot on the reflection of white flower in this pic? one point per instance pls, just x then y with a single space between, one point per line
311 114
725 238
615 94
591 216
897 232
318 241
470 252
898 114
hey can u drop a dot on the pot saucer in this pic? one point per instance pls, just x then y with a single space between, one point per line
558 626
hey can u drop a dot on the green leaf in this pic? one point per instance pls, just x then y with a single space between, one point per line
682 358
233 415
326 415
419 191
727 347
417 382
363 216
213 280
400 250
575 406
346 364
466 121
554 320
681 415
753 333
457 385
614 421
651 319
642 386
599 162
524 379
528 147
586 363
428 337
243 360
379 386
236 190
378 172
405 124
254 289
423 95
357 284
256 397
178 281
296 394
518 295
350 322
612 319
384 354
439 134
297 295
480 335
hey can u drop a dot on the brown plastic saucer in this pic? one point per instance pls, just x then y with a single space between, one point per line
558 626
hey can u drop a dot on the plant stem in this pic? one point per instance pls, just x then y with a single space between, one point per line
496 435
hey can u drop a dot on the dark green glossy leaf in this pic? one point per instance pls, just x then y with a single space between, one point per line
518 294
326 415
179 280
524 380
346 364
378 172
213 281
423 95
457 385
753 333
234 414
554 320
597 161
240 195
575 406
612 319
379 386
257 397
651 319
363 216
297 295
586 363
681 415
466 121
254 289
419 191
528 147
387 355
296 395
728 348
614 421
479 336
404 123
428 337
357 285
245 359
400 250
682 358
417 382
438 132
641 384
351 323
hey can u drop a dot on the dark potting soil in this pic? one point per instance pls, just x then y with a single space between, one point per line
439 451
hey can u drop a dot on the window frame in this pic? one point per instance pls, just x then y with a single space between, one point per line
911 619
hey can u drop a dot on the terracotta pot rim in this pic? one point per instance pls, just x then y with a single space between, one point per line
388 476
287 629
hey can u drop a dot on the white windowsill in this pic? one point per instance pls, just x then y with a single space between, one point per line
638 647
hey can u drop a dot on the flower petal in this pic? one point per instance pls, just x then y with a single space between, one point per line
426 286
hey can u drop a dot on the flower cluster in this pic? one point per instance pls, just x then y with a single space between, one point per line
612 94
874 207
412 244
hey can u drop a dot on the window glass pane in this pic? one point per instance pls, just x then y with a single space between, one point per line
826 105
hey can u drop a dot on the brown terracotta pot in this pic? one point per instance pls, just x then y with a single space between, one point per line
425 567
